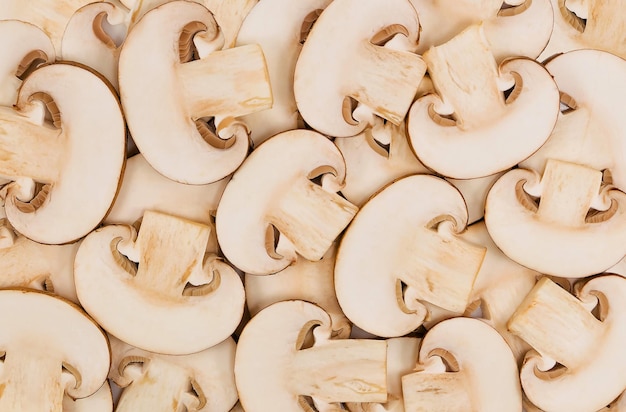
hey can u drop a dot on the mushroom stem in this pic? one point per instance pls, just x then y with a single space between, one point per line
431 391
311 218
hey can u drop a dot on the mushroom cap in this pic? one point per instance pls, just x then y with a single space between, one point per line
101 401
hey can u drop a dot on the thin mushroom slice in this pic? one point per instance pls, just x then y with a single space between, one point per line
273 190
578 364
402 248
49 348
77 156
169 123
101 401
202 381
277 368
359 50
469 128
577 229
463 364
475 192
176 300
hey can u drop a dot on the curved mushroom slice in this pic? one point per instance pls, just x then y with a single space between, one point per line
469 129
403 248
463 364
344 60
578 228
272 190
78 156
281 41
23 46
274 371
304 280
176 291
202 381
168 123
579 362
49 347
101 401
475 192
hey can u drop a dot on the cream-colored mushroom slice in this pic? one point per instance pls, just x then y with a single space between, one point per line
271 191
49 348
177 300
344 60
169 123
578 364
475 192
281 41
202 381
577 229
304 280
403 248
469 128
101 401
23 46
463 365
277 368
77 156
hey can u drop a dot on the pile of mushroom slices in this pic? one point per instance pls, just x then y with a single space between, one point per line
312 205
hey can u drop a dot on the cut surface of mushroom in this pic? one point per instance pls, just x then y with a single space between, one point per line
272 189
169 123
77 158
344 59
174 291
403 248
101 401
274 371
578 363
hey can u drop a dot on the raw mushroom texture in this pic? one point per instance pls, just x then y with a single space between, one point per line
312 205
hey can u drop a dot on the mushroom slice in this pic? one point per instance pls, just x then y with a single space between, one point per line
469 129
101 401
304 280
403 248
77 157
23 46
577 230
176 291
202 381
281 42
276 368
578 364
475 192
344 59
463 365
49 347
272 190
168 123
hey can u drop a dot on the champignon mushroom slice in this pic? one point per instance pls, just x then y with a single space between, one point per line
78 158
342 60
403 248
175 291
23 47
578 365
469 129
50 347
480 373
578 229
202 381
272 189
274 372
475 192
223 84
101 401
281 42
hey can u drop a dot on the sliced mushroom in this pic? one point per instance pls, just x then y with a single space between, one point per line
344 59
77 156
275 369
475 192
202 381
463 364
49 347
469 128
272 190
175 290
577 229
169 122
403 248
101 401
578 364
